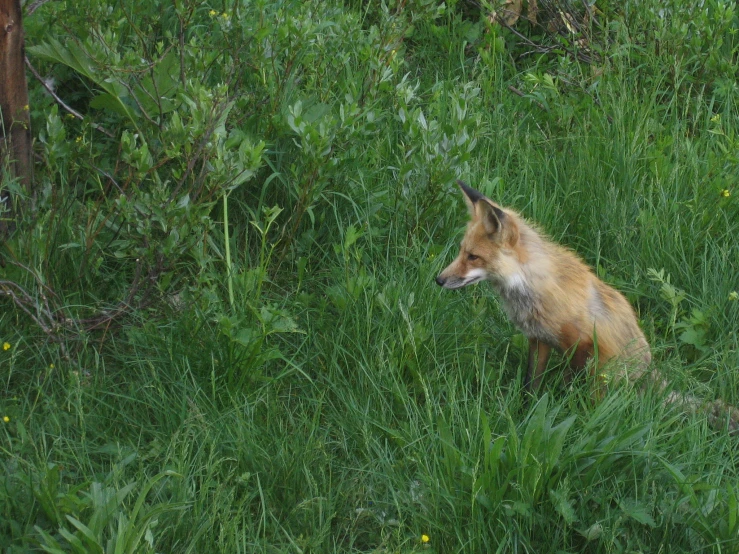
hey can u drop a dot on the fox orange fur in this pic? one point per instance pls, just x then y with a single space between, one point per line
547 291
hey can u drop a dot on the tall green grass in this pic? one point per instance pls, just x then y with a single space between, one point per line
299 383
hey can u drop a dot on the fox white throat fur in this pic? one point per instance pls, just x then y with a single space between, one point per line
554 298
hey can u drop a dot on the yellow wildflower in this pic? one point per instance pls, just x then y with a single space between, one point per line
212 13
6 346
716 118
425 538
733 296
26 107
51 366
6 419
726 193
78 139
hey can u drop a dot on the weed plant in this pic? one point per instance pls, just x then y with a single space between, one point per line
219 322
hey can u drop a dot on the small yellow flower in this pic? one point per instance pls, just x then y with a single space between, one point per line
225 15
425 538
6 346
51 366
78 139
716 118
70 116
212 13
726 193
26 107
733 296
6 419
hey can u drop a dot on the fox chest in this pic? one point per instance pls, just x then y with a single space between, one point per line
524 309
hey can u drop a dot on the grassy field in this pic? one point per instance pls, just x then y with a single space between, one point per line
220 327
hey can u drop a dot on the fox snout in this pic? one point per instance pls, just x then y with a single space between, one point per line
452 279
449 280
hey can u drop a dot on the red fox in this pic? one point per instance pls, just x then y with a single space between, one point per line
547 291
557 302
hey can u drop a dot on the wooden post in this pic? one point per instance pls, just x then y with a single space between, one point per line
15 131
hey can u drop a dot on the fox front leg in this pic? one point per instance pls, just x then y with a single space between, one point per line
539 353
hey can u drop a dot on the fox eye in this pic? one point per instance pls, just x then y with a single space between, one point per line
472 257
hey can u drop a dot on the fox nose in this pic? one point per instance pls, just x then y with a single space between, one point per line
440 281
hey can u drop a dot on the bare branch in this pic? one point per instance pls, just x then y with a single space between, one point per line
61 102
36 5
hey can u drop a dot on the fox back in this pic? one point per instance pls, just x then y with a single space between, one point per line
547 291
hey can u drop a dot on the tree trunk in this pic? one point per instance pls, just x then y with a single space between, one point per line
15 131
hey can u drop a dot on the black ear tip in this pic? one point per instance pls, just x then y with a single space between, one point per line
471 193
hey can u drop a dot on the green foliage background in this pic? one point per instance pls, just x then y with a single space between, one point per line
221 324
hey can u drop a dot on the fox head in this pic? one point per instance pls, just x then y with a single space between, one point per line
488 247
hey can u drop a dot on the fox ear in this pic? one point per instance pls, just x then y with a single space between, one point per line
471 196
492 217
